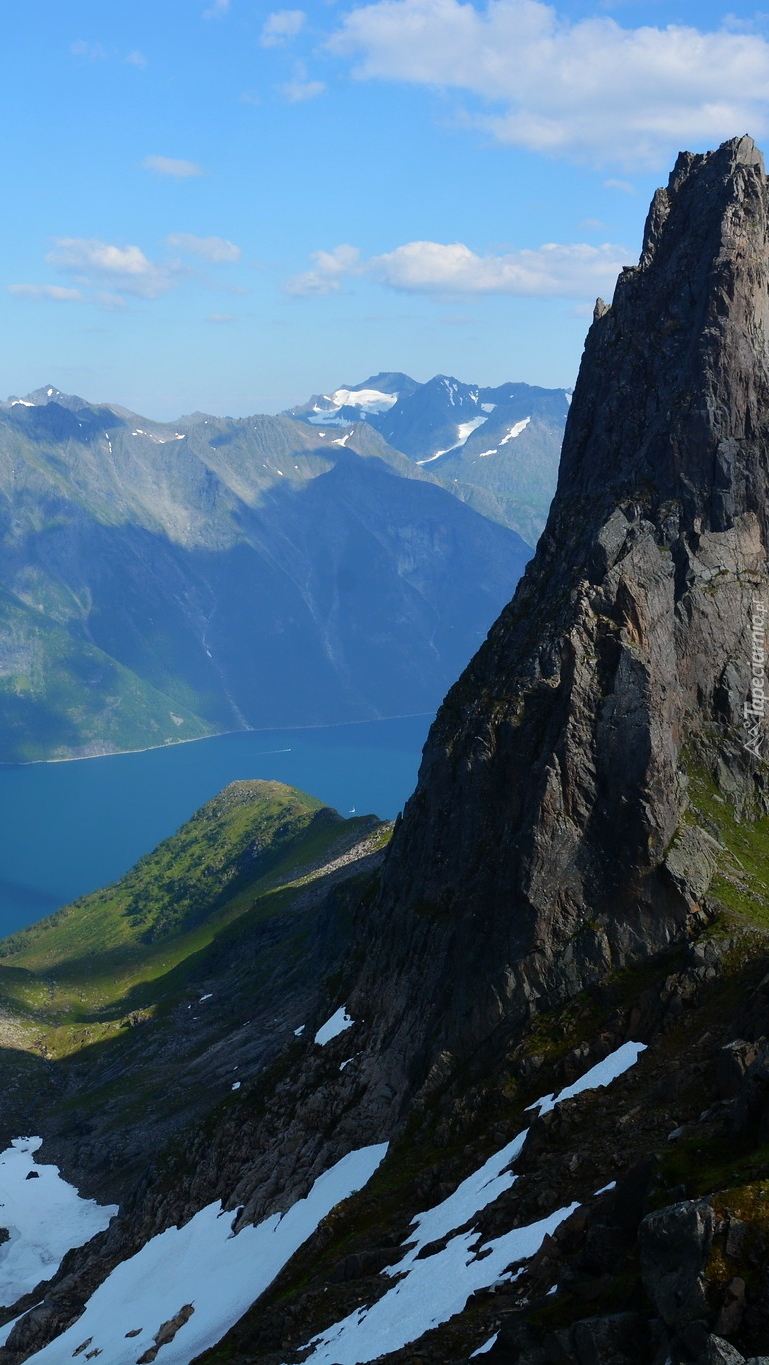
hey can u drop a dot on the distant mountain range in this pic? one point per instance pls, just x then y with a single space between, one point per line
167 581
496 448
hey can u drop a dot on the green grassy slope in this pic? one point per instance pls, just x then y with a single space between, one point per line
74 978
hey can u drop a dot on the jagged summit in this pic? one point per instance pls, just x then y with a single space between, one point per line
548 841
676 401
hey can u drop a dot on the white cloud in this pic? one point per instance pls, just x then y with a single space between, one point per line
300 89
45 291
590 89
329 271
124 268
110 302
624 186
575 270
282 25
175 167
97 52
220 317
216 250
217 10
93 52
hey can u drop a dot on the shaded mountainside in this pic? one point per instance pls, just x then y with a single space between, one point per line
165 582
552 1000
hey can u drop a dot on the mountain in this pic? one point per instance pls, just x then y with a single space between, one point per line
503 1088
356 402
495 448
166 581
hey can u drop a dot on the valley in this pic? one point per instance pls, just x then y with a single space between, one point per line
162 582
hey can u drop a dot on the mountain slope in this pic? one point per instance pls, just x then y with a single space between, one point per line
201 961
553 1003
163 582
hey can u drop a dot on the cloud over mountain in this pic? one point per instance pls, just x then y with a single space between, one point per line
571 270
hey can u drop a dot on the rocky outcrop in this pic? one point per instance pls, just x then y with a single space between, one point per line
675 1245
548 841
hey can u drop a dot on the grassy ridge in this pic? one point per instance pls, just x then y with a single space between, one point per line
71 979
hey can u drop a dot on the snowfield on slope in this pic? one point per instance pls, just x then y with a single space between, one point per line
45 1218
205 1266
218 1275
432 1289
603 1073
339 1021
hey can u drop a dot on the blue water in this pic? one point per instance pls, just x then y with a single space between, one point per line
68 828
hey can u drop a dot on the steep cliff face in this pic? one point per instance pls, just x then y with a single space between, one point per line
548 842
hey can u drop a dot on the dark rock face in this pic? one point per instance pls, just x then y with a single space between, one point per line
674 1245
547 841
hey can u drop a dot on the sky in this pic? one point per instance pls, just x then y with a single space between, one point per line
217 205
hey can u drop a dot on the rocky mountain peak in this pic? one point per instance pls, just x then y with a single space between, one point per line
549 840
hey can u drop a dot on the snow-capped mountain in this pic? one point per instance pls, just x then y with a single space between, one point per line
356 402
496 448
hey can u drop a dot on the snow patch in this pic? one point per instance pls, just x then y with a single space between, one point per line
483 453
206 1265
475 1193
515 431
21 403
370 400
337 1024
434 1290
488 407
299 1031
159 440
603 1073
487 1345
464 431
45 1217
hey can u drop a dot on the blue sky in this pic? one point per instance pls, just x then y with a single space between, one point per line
217 204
